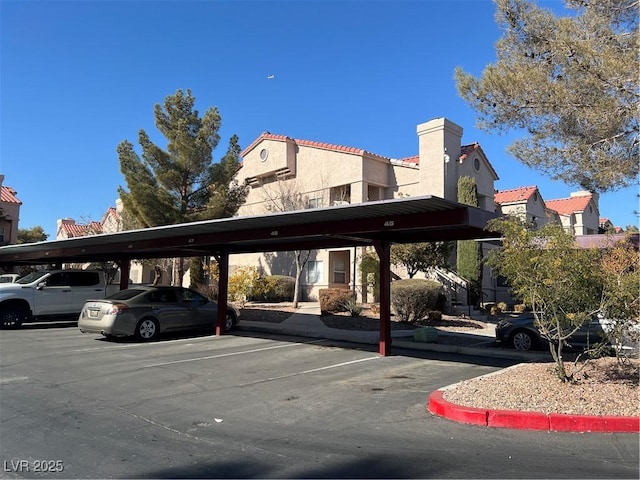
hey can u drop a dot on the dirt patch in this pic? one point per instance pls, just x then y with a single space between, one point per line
601 388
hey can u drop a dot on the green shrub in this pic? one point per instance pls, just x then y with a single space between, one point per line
413 299
333 299
273 288
353 307
519 308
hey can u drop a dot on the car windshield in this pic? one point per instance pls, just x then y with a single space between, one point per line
30 278
126 294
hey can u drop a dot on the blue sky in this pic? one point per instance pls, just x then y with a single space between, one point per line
79 77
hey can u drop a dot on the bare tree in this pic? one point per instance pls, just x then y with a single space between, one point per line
284 195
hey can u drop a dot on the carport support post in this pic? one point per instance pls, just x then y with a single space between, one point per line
384 254
125 268
223 289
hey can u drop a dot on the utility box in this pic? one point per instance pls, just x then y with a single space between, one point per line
425 335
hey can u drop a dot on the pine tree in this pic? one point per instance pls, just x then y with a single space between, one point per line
469 252
180 183
571 84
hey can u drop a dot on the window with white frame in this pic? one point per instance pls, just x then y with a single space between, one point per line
314 271
339 271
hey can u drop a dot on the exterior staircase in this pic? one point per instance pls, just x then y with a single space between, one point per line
456 288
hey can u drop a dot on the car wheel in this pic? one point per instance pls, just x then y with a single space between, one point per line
147 329
523 340
11 317
229 321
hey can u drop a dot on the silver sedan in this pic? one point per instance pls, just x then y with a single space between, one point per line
146 312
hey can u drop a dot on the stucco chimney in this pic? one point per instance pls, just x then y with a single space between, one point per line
439 139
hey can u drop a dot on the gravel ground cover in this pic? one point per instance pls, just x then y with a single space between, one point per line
603 387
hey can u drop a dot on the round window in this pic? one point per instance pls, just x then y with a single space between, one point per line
264 153
476 164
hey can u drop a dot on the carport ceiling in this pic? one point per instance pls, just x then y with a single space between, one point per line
419 219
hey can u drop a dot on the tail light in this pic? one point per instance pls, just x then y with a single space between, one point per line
117 309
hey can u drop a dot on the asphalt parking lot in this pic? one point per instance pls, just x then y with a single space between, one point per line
255 405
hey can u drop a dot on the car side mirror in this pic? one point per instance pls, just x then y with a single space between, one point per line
41 285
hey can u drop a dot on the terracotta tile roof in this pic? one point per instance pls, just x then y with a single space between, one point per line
413 161
73 229
310 143
111 212
8 195
567 206
465 150
515 195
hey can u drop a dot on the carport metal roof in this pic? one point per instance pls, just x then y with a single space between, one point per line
418 219
378 224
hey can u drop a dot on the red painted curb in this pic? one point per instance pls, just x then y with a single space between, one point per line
439 406
530 420
518 420
581 423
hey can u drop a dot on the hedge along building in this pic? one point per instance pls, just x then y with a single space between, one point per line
293 174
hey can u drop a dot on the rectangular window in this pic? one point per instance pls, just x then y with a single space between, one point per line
339 271
340 195
314 203
84 279
314 271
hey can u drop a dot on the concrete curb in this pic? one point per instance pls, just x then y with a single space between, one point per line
555 422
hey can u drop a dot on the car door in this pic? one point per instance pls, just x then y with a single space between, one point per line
168 308
55 296
85 286
202 311
587 335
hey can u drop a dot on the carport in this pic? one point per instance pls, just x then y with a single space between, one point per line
379 224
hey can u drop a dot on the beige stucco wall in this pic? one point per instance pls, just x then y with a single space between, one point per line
405 181
483 176
437 138
10 223
531 209
588 222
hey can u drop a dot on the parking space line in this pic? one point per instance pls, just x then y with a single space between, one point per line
209 357
313 370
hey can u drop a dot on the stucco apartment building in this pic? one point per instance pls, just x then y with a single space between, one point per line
578 214
283 171
9 214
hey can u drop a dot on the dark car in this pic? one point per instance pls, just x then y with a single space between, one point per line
146 312
520 332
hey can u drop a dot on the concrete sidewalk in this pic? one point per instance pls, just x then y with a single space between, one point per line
306 322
